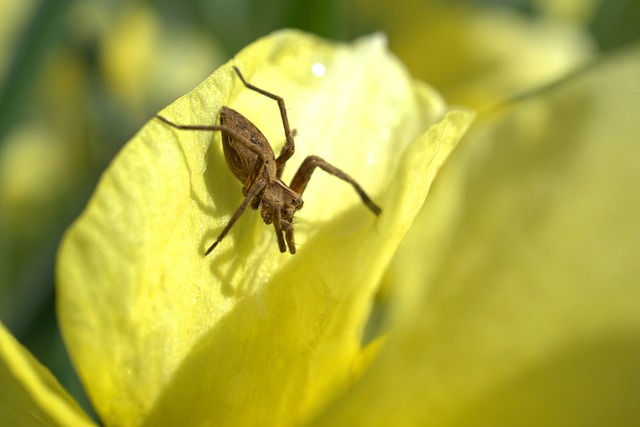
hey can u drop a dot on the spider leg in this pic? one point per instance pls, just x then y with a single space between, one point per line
261 159
256 173
303 175
277 224
289 146
288 230
253 192
223 128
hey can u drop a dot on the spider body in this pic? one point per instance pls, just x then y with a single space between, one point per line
252 161
240 159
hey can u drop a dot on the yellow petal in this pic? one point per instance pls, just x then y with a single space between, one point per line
478 55
247 335
527 309
30 395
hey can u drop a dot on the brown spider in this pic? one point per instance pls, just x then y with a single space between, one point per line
252 161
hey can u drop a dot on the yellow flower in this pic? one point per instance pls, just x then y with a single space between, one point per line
30 395
247 336
521 306
512 299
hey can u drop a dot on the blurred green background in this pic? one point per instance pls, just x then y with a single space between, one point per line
79 77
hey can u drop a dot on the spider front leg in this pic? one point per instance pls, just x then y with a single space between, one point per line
222 128
285 227
303 175
277 224
253 192
288 232
289 146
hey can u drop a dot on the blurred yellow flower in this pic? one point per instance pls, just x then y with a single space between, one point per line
30 395
478 55
140 55
512 299
12 17
27 192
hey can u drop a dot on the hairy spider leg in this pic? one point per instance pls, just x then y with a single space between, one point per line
255 190
288 231
303 175
229 130
277 224
289 146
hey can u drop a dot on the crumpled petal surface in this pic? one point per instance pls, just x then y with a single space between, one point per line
30 395
522 308
248 336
